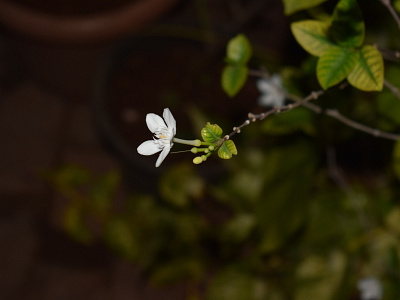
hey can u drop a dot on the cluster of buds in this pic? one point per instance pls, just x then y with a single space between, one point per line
164 131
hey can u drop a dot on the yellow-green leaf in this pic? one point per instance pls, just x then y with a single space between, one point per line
238 50
211 133
227 149
312 36
233 78
335 65
367 74
291 6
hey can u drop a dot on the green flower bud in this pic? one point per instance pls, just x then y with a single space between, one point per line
197 160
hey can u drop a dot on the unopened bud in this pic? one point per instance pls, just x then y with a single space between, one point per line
197 160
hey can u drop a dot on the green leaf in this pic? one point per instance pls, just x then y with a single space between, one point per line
396 5
233 78
211 133
70 177
347 27
180 269
396 159
319 277
368 74
238 50
180 184
227 149
393 220
291 6
74 224
103 191
235 284
120 237
238 228
335 65
312 36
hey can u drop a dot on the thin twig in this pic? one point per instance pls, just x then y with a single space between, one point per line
276 110
395 91
334 113
392 11
389 54
373 131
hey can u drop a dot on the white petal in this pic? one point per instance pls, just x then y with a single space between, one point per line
263 85
265 100
170 120
154 122
276 80
148 148
162 156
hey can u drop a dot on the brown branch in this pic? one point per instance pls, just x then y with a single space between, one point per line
333 113
395 91
373 131
392 11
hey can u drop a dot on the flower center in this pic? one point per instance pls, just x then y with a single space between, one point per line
162 137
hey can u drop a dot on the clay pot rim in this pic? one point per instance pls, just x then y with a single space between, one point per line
90 28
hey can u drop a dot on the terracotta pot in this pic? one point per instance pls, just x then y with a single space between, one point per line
94 27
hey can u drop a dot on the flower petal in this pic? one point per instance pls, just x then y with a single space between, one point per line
162 156
263 85
154 122
276 81
170 120
148 148
266 100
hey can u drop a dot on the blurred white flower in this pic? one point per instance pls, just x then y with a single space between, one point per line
163 135
370 288
272 91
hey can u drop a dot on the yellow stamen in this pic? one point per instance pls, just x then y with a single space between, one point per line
163 136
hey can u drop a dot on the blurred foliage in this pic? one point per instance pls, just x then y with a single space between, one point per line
285 221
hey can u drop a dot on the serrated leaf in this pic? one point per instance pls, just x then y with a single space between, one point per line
238 50
367 74
233 78
211 133
312 36
291 6
347 27
334 66
227 149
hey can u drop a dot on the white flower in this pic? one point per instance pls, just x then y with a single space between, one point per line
272 91
163 135
370 288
